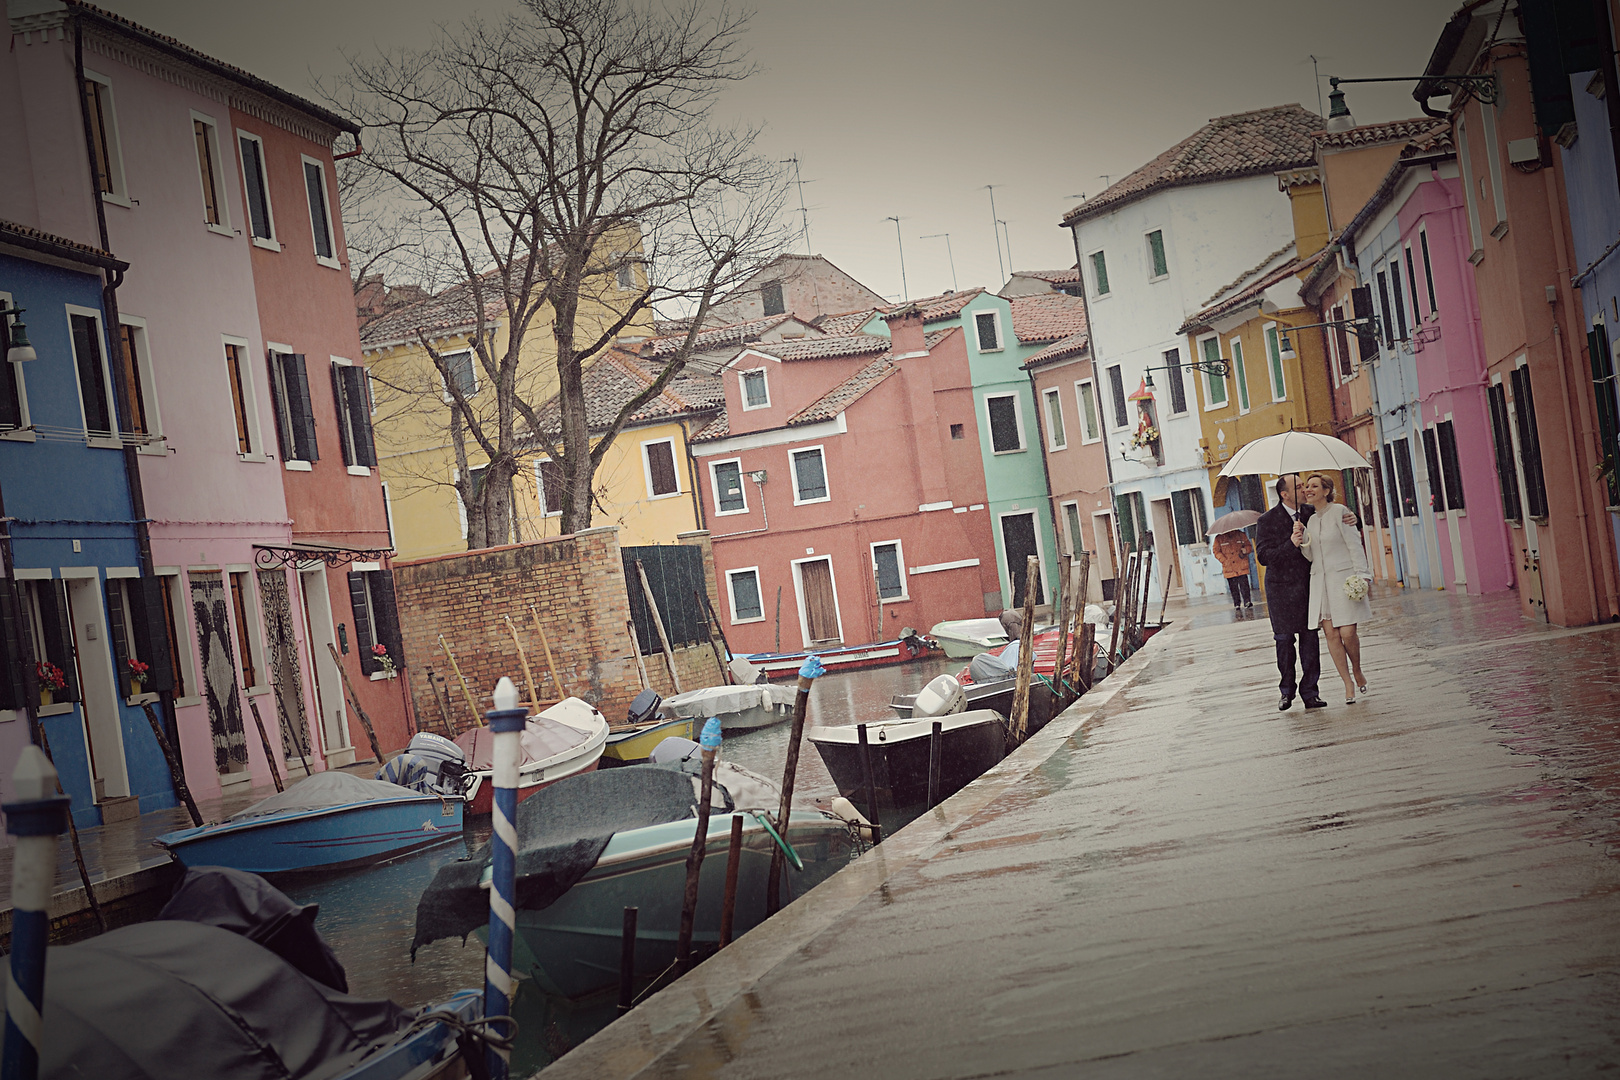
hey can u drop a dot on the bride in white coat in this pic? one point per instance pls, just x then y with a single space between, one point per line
1335 551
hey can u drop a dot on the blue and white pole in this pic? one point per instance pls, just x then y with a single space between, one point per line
506 721
36 819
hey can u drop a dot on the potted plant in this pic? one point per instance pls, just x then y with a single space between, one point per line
51 680
138 671
386 662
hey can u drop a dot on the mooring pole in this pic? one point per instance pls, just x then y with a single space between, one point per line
264 740
810 670
506 721
871 783
1120 574
176 773
710 741
728 909
36 818
627 960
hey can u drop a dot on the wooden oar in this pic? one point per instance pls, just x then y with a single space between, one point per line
354 699
523 657
472 705
545 643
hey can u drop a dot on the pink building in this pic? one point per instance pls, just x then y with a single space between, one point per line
845 478
1066 389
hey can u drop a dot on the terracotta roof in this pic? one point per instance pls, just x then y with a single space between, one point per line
612 379
717 428
1250 295
822 348
1372 134
944 306
847 323
1243 144
1056 277
450 310
855 387
1047 317
45 243
717 337
1073 345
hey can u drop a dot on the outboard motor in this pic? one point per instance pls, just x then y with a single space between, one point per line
431 764
645 707
941 697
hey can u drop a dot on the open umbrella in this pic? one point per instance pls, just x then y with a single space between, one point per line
1293 452
1236 520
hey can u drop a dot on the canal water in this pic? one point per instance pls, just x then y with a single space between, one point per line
369 916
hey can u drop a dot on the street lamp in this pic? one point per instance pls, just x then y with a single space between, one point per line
22 350
1217 368
1364 324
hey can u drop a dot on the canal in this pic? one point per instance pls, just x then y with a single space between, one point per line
369 915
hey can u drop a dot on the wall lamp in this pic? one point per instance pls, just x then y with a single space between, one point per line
22 350
1364 325
757 476
1217 368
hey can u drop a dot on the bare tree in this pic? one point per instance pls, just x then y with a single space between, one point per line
570 171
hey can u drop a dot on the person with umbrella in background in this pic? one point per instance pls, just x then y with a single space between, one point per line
1233 549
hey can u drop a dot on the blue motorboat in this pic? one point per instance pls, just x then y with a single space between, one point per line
331 821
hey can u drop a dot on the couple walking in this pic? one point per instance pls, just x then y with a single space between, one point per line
1310 553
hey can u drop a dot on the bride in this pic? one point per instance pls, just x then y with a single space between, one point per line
1336 555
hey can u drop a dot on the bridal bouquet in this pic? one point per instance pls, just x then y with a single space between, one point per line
1355 587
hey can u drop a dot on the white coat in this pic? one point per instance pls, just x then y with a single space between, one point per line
1334 548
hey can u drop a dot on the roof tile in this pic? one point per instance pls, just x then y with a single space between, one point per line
1047 317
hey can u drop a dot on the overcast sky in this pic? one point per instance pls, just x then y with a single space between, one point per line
910 109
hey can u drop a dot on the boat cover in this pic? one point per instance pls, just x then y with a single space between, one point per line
543 738
324 790
180 999
247 904
720 700
562 830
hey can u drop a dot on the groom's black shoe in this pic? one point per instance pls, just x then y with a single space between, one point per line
1315 703
1286 703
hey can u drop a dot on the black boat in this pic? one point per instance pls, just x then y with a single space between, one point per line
900 750
996 696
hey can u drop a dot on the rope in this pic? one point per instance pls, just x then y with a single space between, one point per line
481 1029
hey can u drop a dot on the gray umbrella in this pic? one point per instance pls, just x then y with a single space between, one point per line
1237 519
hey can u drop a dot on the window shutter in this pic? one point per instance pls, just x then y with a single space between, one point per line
13 687
365 447
387 612
987 330
340 398
1181 510
1003 424
1524 408
10 400
1366 341
363 635
57 629
1446 436
1126 523
1506 478
303 417
661 464
119 633
1431 461
149 631
1116 386
278 398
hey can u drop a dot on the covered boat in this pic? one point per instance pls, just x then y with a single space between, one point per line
563 740
740 708
330 821
900 751
595 844
963 639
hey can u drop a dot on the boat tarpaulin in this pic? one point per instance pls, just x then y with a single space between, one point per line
323 791
720 700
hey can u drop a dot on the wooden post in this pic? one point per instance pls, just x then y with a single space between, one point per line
694 866
1026 655
545 643
181 789
1119 606
444 712
1064 611
708 629
264 739
801 704
871 783
635 650
1141 609
627 960
73 835
658 624
292 729
1079 603
1087 670
936 746
523 658
719 626
354 699
472 705
728 907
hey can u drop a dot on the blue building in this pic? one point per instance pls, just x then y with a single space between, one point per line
78 606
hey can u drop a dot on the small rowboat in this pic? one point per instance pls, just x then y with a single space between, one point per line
564 740
900 752
842 657
963 639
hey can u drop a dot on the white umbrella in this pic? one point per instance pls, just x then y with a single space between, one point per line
1293 452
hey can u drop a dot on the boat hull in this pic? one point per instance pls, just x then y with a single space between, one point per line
997 696
335 838
481 799
629 747
572 947
430 1053
841 658
900 765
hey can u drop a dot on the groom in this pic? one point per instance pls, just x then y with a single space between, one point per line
1288 595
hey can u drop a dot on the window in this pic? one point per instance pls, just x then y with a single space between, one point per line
1131 513
1378 485
755 393
1279 389
988 326
1006 426
1341 341
1411 286
1400 303
1099 273
107 157
1471 195
210 173
376 619
1156 260
548 475
1603 395
463 373
1056 437
659 457
137 375
320 218
174 616
138 628
1116 387
958 431
888 569
742 587
1178 389
1431 463
1191 520
625 275
353 416
13 393
295 419
46 623
1071 518
809 476
95 395
1085 392
1428 270
1450 469
1251 493
1493 163
237 374
771 294
1406 486
1215 386
241 605
1524 412
1383 303
1240 374
729 497
1502 436
257 186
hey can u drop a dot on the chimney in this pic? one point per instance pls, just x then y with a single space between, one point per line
1338 117
906 331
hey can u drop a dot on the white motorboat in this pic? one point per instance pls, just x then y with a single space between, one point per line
740 708
963 639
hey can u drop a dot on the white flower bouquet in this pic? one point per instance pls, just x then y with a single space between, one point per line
1355 587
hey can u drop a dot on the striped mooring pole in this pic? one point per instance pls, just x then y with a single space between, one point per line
506 721
36 818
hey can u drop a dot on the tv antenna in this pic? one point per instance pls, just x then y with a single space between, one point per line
1006 230
905 293
948 255
991 188
804 211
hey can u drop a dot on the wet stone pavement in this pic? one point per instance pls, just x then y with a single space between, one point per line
1173 878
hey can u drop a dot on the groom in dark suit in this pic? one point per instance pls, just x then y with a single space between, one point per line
1288 596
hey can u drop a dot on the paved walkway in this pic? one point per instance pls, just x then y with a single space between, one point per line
1174 879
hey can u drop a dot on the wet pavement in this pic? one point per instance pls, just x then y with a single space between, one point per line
1175 878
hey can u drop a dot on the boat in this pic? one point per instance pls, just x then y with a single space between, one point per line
740 708
900 752
595 844
842 657
633 743
996 696
330 821
963 639
561 741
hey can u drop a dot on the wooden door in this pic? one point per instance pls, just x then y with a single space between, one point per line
212 610
820 604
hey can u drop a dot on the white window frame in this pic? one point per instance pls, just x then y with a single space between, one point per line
1076 541
250 396
1091 265
1278 393
742 387
112 442
345 427
714 485
472 364
1096 415
115 150
185 639
22 433
326 205
224 228
1053 395
539 489
731 594
1001 338
900 563
1493 165
798 591
674 467
1147 243
1018 422
1470 193
254 617
793 473
1240 374
271 243
1210 379
148 376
